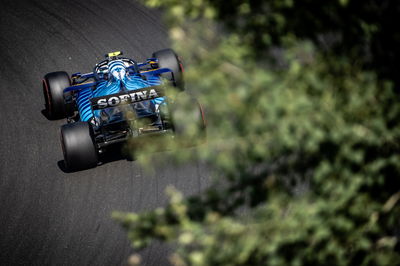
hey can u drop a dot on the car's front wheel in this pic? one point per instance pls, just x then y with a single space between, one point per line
167 58
53 90
78 146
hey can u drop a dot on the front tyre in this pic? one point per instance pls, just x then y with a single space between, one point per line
167 58
53 90
78 146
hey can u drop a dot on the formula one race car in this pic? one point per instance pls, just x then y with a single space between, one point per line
102 107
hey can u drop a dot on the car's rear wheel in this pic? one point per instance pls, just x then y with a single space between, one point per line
78 146
53 89
167 58
188 121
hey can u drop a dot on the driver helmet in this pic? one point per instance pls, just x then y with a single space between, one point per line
117 69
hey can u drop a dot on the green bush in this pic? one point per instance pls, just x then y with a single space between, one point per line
302 139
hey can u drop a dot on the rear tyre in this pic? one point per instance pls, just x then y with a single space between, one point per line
53 90
188 120
167 58
78 146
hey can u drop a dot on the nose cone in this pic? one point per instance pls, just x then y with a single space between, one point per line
117 69
119 73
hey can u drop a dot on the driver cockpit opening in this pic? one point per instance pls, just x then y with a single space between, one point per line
115 67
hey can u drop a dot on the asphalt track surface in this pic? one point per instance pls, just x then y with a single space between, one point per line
48 216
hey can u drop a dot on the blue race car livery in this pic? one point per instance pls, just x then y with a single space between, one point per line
101 106
122 77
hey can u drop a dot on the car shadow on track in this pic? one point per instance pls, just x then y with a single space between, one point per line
46 115
113 153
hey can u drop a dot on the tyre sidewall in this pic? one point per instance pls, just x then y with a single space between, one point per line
53 89
78 146
167 58
194 116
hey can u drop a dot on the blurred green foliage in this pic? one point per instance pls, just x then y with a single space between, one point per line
303 135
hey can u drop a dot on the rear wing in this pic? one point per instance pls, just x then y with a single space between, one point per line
127 97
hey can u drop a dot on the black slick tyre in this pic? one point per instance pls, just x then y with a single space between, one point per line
53 90
167 58
78 146
188 121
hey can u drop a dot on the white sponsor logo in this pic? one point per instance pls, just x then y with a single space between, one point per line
127 98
